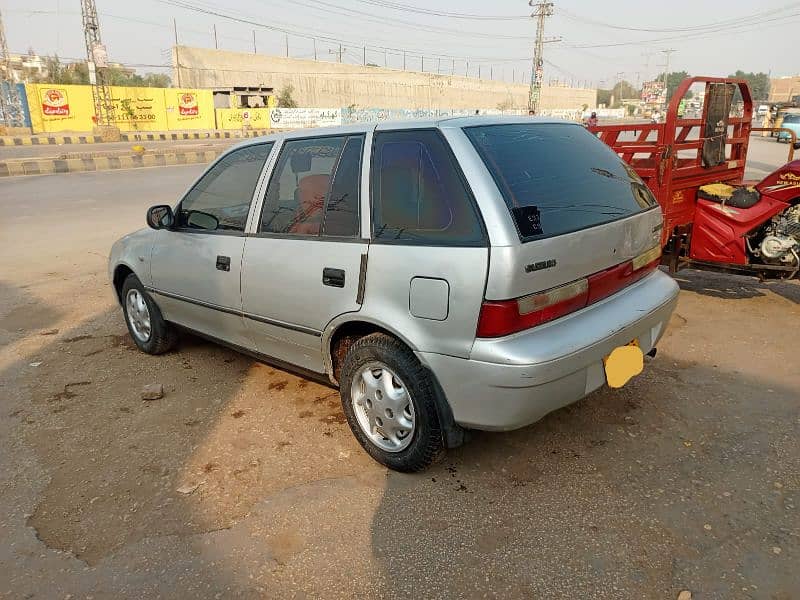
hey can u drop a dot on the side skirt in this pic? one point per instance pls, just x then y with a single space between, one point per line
321 378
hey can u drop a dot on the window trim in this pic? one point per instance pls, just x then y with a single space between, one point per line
483 242
257 233
253 198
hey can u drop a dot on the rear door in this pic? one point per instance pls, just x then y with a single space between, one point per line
302 266
429 253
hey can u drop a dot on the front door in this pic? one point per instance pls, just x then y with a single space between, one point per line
196 265
302 266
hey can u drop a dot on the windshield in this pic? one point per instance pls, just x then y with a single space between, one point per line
791 119
557 177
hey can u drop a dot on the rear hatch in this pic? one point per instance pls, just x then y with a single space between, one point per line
587 224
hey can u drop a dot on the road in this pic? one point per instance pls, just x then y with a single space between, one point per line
244 481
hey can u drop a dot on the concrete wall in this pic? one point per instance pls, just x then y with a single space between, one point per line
784 88
321 84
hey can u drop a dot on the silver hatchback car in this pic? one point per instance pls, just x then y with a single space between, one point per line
466 273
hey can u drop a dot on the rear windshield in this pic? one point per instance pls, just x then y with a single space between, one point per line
558 177
791 119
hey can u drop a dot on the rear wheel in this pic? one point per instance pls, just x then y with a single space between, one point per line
389 401
146 326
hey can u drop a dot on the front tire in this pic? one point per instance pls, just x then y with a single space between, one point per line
146 325
390 404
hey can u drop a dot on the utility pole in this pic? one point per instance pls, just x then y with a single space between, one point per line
10 104
177 57
338 52
315 48
254 43
542 10
97 61
365 56
666 53
214 28
287 45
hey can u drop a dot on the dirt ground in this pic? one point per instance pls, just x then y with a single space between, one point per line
244 480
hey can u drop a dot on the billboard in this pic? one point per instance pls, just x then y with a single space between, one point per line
654 92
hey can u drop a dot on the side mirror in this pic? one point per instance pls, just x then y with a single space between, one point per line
797 145
160 216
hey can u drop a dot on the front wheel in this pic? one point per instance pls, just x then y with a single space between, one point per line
390 403
146 326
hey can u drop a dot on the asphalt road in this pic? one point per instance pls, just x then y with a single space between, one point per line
244 481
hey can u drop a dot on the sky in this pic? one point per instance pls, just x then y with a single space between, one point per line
596 43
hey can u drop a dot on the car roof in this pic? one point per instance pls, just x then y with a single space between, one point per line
441 123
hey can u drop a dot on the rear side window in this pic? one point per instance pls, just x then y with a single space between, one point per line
558 178
314 188
418 195
791 119
221 199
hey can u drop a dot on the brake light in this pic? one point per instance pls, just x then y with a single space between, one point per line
503 317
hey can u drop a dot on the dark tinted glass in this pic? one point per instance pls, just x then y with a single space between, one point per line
221 199
341 212
558 178
417 193
299 186
791 119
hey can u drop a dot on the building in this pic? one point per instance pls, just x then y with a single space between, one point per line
785 89
25 67
329 84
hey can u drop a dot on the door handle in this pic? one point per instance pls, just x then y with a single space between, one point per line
333 277
223 263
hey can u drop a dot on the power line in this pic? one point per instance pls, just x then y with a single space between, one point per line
685 29
740 27
405 24
326 36
442 13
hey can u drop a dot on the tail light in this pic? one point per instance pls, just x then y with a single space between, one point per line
503 317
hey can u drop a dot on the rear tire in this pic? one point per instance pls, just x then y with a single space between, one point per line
146 325
390 404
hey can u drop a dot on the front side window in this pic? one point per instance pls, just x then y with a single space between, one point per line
558 177
418 195
314 189
221 199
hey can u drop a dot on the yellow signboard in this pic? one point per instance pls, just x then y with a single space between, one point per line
60 107
56 108
243 118
189 109
139 109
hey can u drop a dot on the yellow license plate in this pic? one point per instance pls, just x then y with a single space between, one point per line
623 363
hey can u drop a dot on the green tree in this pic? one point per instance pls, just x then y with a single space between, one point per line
604 97
674 80
758 82
78 73
285 99
624 89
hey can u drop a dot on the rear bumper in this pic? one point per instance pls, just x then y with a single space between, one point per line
513 381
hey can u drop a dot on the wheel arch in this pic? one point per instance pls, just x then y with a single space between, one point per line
340 335
121 272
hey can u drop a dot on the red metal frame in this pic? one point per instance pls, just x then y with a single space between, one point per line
674 179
